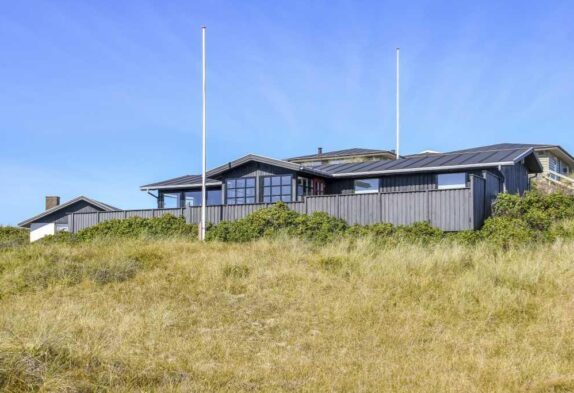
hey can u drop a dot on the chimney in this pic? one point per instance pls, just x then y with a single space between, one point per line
319 151
52 201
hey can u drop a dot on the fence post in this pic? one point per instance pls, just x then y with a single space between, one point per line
338 199
71 222
428 207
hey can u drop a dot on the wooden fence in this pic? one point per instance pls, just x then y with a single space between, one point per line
449 210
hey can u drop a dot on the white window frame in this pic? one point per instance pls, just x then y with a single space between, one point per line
452 185
373 191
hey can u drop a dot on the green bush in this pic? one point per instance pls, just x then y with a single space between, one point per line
506 231
58 237
134 227
555 206
279 219
418 232
319 227
13 236
267 222
531 217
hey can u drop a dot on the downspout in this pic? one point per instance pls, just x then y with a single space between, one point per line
504 190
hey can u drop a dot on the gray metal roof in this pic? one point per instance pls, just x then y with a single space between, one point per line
434 162
502 146
356 151
195 180
93 202
463 160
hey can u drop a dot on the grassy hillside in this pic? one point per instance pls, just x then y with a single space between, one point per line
283 315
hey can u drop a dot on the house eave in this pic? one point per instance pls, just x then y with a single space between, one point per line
179 186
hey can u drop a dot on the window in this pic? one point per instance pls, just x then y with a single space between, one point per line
277 188
193 198
307 186
241 191
446 181
366 186
171 200
304 187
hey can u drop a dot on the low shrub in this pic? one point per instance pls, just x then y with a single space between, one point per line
276 220
13 236
267 222
319 227
59 237
506 231
135 227
554 206
418 232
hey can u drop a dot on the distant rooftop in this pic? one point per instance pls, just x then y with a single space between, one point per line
356 151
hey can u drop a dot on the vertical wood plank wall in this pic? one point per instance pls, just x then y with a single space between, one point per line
449 210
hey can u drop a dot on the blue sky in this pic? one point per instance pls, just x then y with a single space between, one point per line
100 97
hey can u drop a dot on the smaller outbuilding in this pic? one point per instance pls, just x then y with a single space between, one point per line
55 218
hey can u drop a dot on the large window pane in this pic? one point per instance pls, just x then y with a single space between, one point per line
171 200
193 198
366 186
213 197
239 189
277 188
446 181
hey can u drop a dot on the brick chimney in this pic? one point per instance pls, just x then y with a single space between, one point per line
52 201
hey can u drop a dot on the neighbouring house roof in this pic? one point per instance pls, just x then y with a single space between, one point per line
498 146
438 161
71 202
356 151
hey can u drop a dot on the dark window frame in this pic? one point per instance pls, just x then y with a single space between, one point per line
274 191
241 190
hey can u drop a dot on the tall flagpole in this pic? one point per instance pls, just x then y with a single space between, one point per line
204 160
398 109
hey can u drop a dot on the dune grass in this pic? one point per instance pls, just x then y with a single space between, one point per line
284 315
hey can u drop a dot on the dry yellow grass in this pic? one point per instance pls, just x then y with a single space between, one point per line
285 316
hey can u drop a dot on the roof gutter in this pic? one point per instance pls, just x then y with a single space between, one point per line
151 188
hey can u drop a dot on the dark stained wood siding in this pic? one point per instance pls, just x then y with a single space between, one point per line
516 179
418 182
61 216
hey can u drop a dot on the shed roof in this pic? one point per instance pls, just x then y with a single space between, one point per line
81 198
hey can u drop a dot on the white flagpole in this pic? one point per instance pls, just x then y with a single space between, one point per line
398 109
204 160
